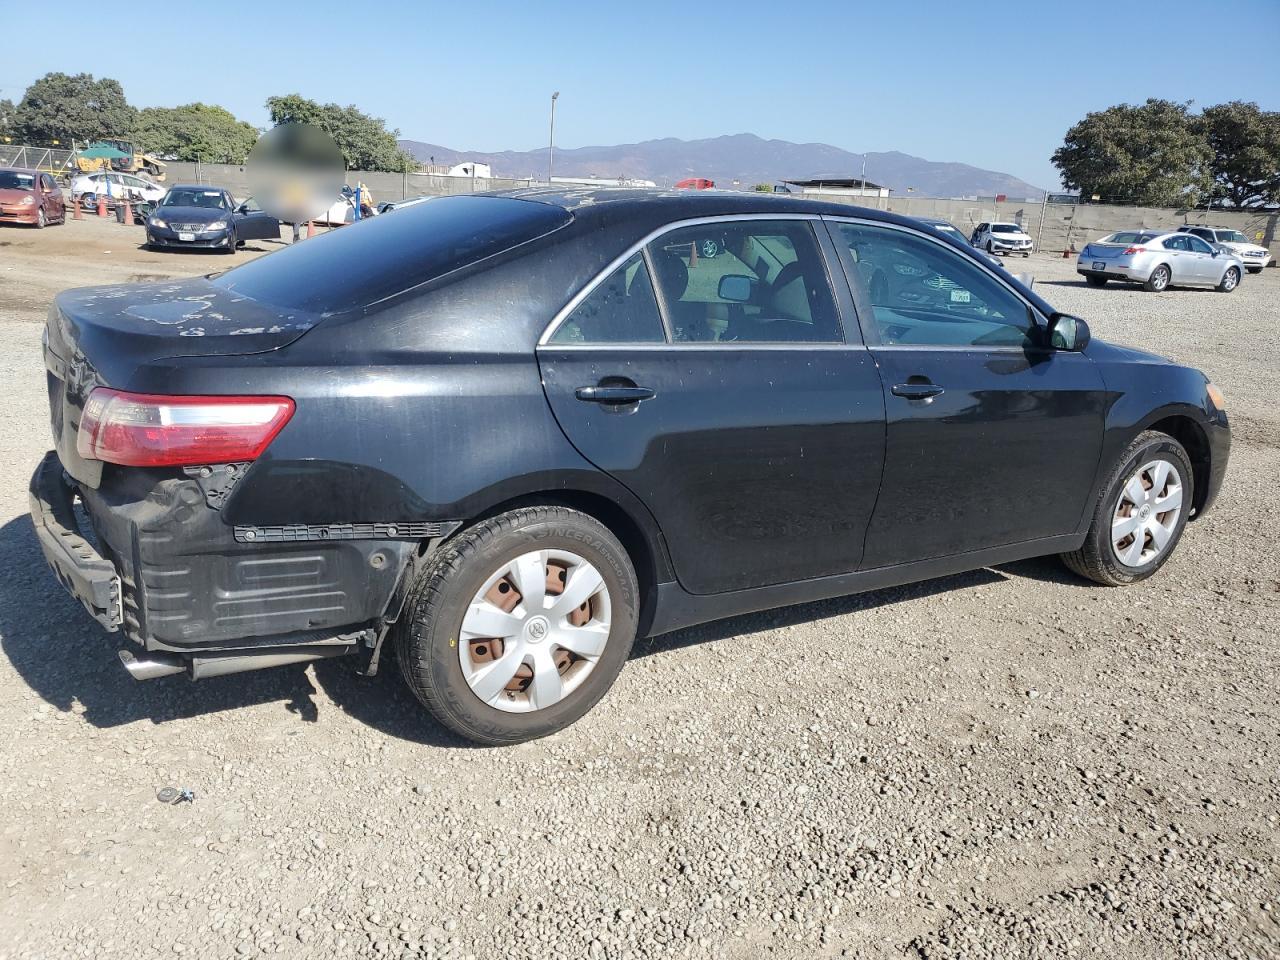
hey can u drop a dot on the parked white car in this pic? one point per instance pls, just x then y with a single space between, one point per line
1251 255
116 186
1002 238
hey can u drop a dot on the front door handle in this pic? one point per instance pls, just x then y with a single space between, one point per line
917 391
614 395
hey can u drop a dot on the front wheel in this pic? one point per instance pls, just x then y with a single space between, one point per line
42 221
1255 269
518 626
1230 280
1140 515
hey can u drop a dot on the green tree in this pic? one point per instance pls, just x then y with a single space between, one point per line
763 188
195 131
62 107
365 141
8 119
1154 154
1246 152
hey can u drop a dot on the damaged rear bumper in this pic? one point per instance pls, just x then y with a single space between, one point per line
85 573
161 565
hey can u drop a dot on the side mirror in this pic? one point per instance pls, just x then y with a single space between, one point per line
736 288
1067 332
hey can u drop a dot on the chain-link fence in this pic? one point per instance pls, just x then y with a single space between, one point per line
49 159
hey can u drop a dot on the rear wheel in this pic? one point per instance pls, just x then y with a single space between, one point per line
1096 281
1140 515
518 626
1158 280
1230 280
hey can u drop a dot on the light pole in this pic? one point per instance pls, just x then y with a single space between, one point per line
551 150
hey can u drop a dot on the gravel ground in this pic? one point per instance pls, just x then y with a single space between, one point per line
1006 763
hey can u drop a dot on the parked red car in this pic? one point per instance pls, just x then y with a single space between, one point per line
695 183
29 196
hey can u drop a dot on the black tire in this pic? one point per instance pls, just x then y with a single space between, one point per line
232 242
1025 255
1096 560
426 637
1096 281
1255 269
1159 279
42 219
1230 280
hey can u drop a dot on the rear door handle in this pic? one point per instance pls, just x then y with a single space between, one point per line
614 395
917 391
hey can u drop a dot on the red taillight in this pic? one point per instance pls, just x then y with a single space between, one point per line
149 430
1132 250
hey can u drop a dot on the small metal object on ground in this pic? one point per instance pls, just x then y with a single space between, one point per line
174 795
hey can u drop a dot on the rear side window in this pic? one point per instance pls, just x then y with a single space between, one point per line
360 265
622 309
756 281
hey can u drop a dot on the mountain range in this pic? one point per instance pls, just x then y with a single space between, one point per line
745 158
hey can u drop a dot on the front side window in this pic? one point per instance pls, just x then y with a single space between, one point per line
621 309
1198 245
750 281
924 293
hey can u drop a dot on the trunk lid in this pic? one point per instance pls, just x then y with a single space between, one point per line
100 336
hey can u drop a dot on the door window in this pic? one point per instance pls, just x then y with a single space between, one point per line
1182 242
621 309
47 182
923 293
1199 246
761 281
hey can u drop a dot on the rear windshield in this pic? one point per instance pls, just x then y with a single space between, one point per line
362 264
1005 228
12 180
1131 236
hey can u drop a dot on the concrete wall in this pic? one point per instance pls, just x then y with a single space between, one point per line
1068 226
1062 227
385 186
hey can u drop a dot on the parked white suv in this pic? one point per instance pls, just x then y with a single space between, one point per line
1001 238
1251 255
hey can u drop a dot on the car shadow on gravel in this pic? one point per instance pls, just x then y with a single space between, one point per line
61 655
64 657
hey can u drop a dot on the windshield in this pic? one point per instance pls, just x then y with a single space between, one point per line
951 231
1005 228
13 180
194 197
1231 236
367 262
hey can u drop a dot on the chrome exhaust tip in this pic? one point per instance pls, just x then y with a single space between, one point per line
156 665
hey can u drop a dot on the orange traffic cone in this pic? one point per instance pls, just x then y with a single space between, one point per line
128 213
102 205
78 214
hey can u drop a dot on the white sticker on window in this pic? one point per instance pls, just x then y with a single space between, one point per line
959 296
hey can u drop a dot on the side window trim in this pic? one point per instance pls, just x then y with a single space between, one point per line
871 336
642 245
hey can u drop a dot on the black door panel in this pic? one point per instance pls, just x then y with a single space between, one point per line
1006 453
760 464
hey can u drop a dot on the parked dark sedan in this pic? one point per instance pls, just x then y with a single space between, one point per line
207 217
514 432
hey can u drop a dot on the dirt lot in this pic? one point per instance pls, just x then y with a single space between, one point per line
1006 763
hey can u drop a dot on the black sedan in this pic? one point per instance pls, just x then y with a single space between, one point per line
512 433
194 216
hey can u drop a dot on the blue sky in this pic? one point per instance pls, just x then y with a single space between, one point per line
991 84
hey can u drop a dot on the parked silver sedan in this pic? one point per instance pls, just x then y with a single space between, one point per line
1159 259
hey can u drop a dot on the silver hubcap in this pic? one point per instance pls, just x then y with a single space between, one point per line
1146 513
535 630
1229 281
1160 279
